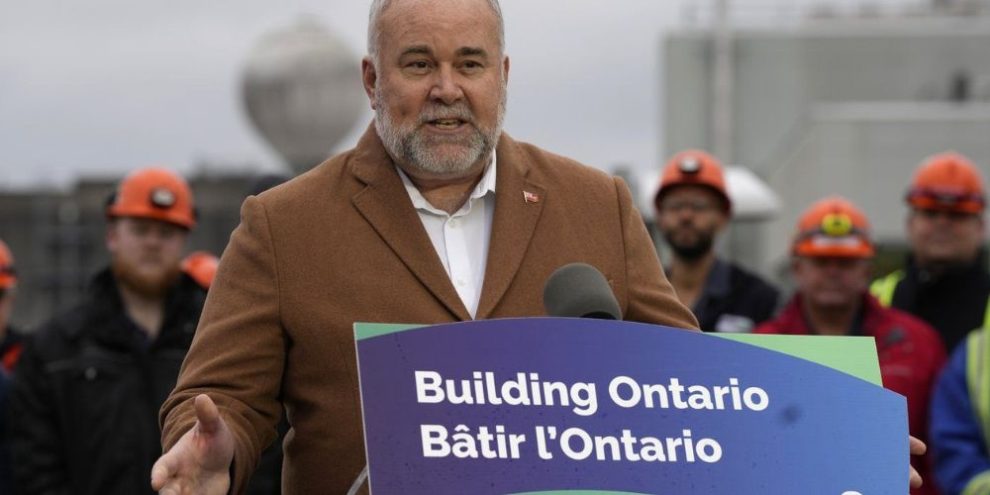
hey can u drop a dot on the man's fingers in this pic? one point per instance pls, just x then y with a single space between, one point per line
162 471
914 479
207 414
917 446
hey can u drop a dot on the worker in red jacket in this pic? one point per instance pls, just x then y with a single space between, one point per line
831 263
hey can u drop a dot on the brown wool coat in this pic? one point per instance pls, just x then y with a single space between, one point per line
342 243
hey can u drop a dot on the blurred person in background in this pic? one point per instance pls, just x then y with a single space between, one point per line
11 341
692 209
945 281
960 419
201 266
10 350
831 257
86 393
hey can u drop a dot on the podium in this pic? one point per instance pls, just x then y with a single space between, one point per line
582 407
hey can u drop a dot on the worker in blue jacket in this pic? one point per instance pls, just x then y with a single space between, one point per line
960 419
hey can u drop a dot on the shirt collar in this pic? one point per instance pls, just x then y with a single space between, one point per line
485 185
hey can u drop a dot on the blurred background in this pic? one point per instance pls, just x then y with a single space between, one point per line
804 98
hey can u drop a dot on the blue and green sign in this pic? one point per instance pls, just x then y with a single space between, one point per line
569 406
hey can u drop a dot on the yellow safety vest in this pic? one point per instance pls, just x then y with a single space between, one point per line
978 385
883 289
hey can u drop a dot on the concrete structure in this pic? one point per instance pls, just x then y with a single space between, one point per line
839 105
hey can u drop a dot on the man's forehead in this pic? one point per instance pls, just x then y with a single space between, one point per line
423 22
434 7
427 49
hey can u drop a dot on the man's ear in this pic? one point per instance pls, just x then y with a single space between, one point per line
369 78
110 236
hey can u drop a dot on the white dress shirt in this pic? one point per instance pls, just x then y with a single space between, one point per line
461 240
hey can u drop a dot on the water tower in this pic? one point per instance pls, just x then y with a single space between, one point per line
302 90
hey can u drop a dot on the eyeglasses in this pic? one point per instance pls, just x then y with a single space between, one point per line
948 214
928 199
693 206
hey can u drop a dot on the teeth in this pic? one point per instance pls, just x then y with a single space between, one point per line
447 122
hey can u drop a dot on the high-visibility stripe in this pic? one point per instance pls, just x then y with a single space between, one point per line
978 378
979 485
883 288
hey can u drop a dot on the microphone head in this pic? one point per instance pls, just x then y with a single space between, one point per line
579 290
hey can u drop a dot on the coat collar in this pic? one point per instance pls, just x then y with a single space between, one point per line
385 204
519 201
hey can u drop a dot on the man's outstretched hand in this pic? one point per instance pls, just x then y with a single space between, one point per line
199 463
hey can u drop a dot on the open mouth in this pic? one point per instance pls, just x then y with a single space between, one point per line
447 124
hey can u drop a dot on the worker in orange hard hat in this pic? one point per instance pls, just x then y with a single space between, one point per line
154 194
945 281
831 260
119 350
692 208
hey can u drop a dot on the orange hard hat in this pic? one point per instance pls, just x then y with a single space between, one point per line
155 193
8 278
949 182
201 266
833 227
694 167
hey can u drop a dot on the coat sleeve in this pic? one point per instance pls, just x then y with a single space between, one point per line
959 453
238 354
36 446
650 297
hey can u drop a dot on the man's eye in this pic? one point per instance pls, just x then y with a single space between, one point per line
419 65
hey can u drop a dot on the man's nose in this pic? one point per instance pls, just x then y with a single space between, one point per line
446 88
155 238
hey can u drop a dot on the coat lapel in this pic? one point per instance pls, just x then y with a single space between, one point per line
385 204
518 205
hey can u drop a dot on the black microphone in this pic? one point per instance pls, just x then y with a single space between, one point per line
579 290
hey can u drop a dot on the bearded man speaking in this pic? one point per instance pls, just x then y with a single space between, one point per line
435 216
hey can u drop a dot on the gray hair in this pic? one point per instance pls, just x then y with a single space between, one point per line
380 6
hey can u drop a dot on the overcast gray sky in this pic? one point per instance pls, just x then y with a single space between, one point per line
103 86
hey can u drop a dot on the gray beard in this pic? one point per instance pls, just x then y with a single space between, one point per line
407 145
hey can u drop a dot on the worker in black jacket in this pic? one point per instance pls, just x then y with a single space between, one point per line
86 392
945 280
692 208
